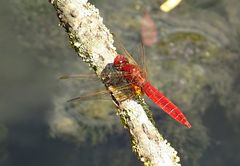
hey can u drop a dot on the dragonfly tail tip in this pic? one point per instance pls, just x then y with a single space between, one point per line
187 124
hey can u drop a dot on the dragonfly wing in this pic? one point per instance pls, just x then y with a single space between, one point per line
100 94
78 76
121 48
143 58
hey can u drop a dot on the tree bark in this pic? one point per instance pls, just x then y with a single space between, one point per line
94 44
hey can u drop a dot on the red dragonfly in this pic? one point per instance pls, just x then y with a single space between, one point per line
131 71
137 78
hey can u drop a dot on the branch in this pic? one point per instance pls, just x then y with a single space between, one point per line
94 44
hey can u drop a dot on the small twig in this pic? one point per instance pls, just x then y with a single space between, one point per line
94 44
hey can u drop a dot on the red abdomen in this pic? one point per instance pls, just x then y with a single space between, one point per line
165 104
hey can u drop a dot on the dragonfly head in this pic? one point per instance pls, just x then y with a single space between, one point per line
120 60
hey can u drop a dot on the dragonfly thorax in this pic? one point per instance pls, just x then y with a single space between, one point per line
134 74
130 71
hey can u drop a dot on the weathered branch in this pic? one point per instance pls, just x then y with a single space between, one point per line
94 44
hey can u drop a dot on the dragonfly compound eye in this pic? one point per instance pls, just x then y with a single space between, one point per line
120 60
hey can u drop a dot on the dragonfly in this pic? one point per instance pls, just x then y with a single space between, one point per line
132 72
138 83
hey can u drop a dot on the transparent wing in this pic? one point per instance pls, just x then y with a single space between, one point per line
140 50
143 58
100 94
120 47
78 76
91 96
92 76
